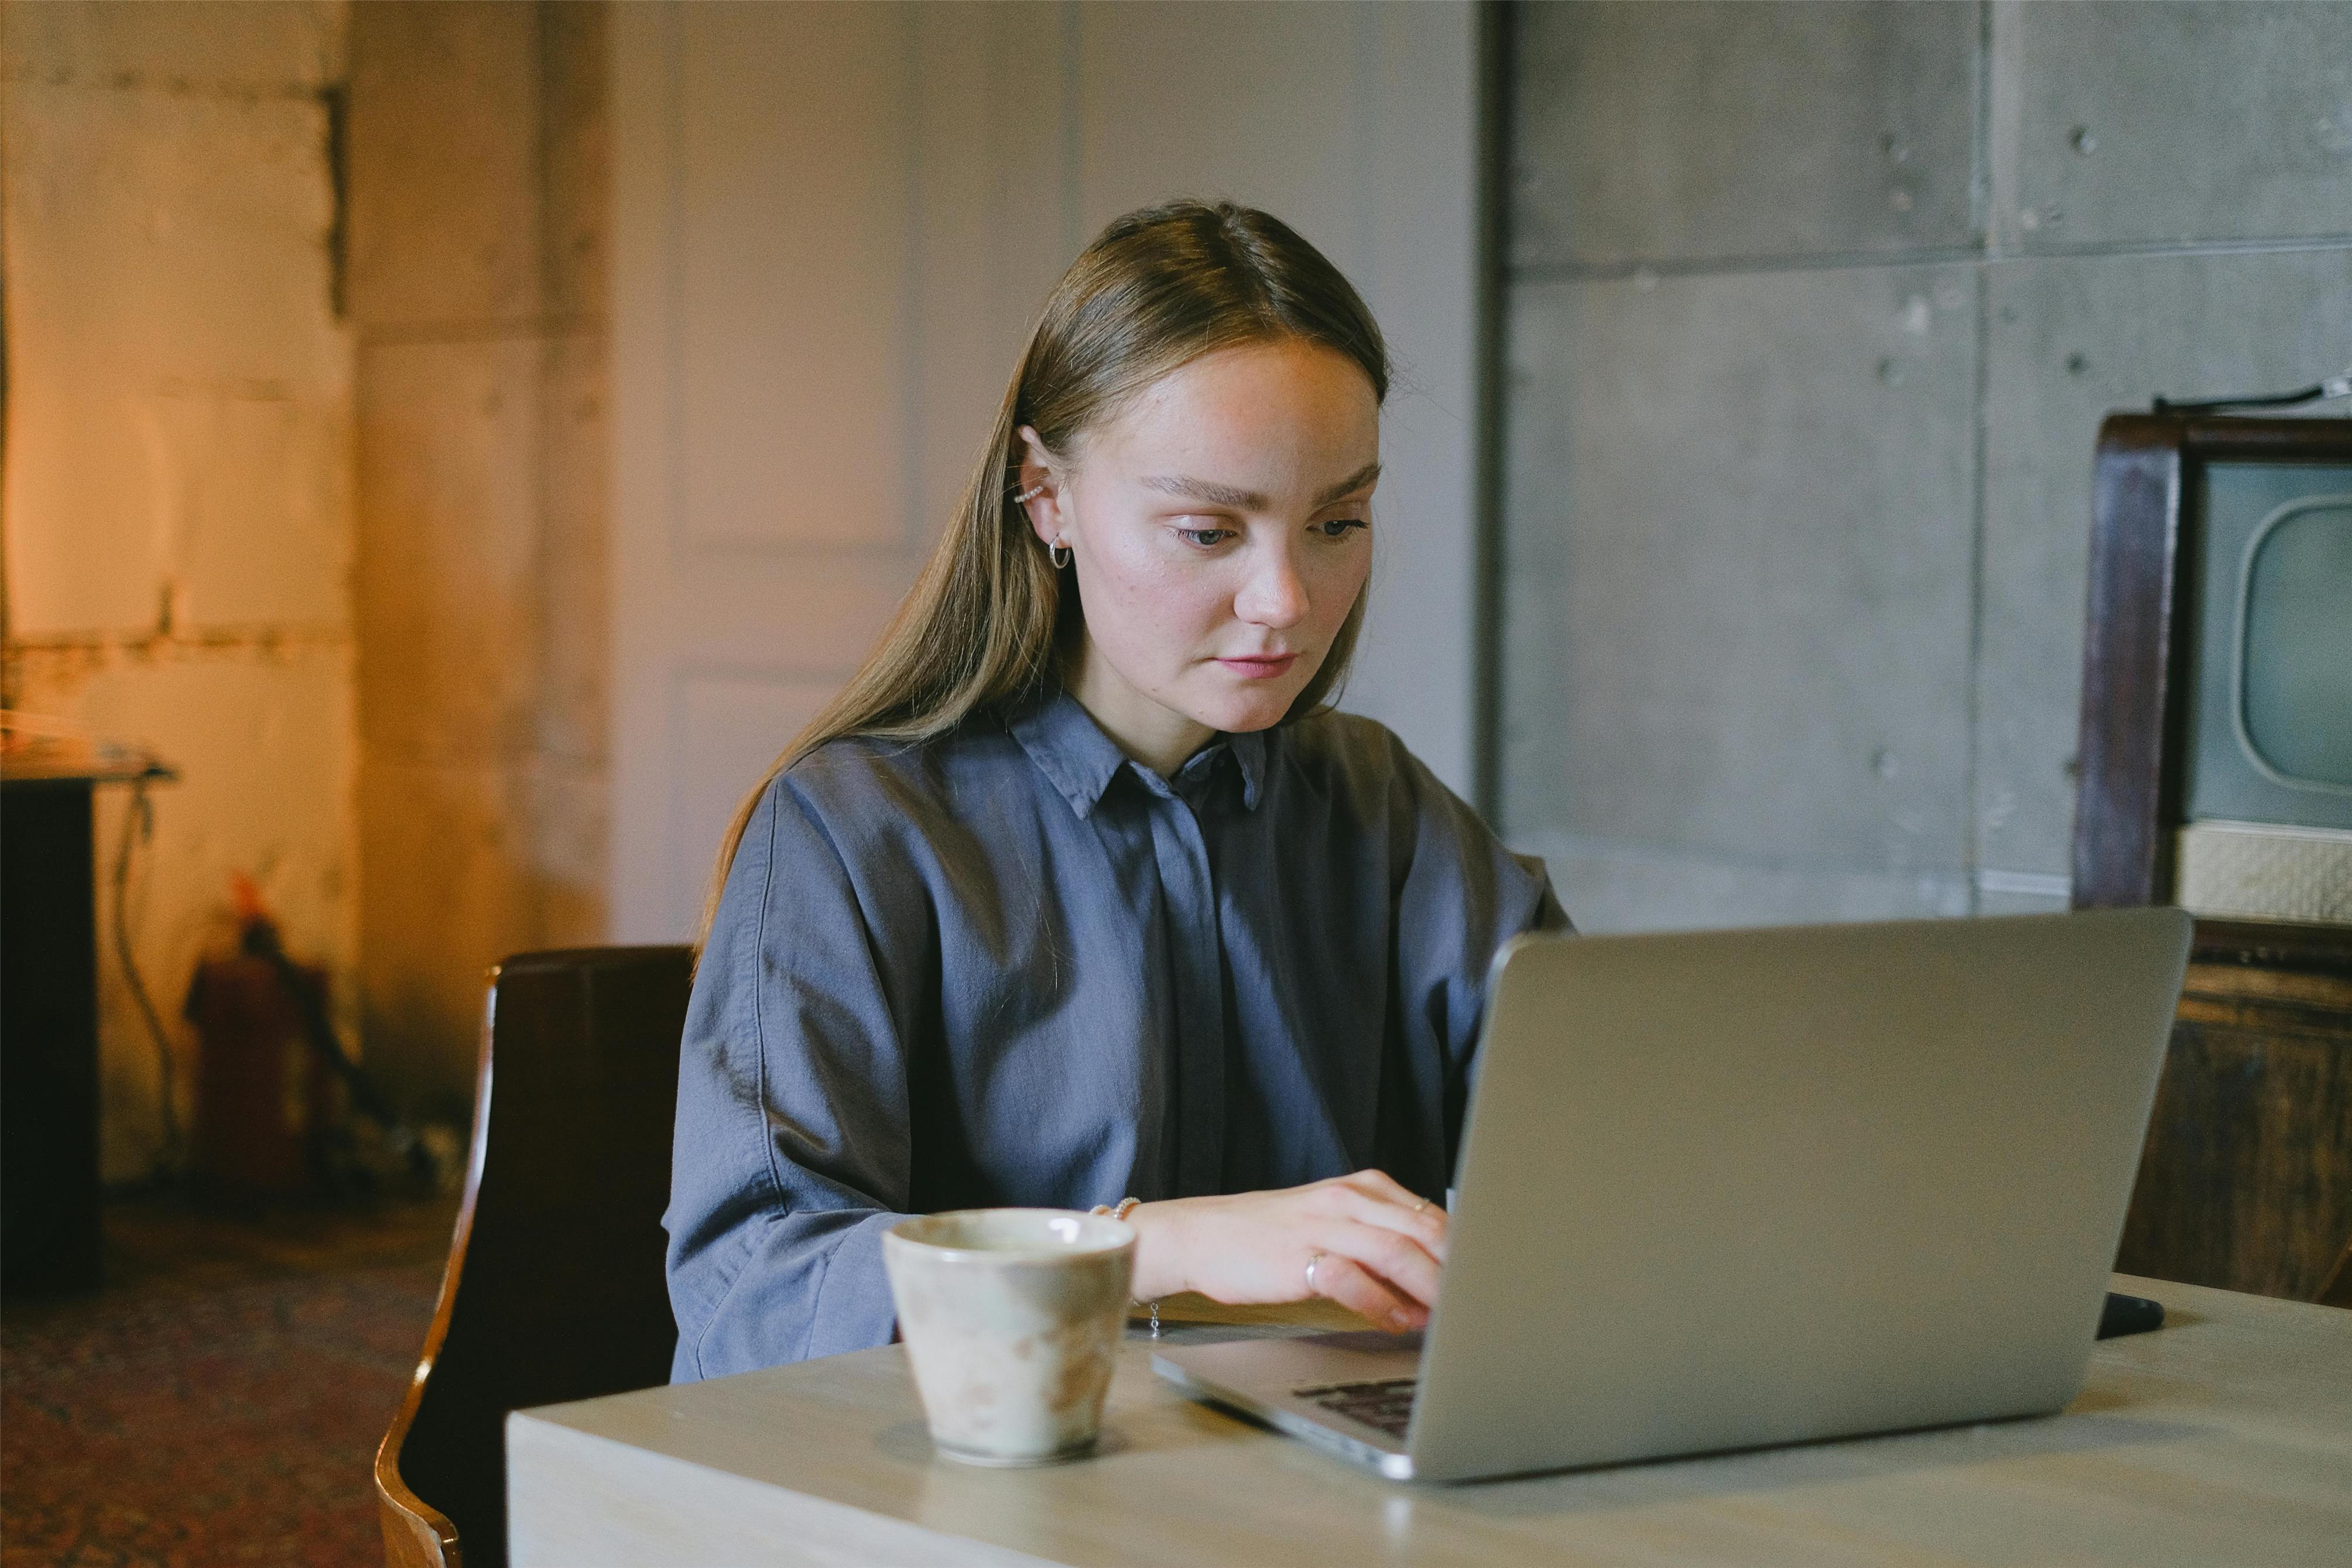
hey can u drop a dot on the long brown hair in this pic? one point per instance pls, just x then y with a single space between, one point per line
1158 288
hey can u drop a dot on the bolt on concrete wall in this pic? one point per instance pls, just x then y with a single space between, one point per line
1812 314
178 502
479 197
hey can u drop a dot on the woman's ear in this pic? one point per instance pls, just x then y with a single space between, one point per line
1039 466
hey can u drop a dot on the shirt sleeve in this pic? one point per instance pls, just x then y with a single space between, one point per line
1464 895
791 1155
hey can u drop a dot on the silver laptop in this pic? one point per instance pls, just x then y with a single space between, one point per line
1733 1188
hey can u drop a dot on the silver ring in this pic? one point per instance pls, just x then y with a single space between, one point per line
1312 1259
1421 1206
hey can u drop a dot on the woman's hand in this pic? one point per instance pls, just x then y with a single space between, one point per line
1380 1246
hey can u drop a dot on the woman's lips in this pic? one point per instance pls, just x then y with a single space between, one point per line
1261 668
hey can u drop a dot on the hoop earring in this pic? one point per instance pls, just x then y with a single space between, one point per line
1058 553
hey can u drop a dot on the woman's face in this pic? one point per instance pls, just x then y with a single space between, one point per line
1220 524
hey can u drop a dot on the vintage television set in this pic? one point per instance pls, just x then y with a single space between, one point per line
2267 802
2216 772
2217 695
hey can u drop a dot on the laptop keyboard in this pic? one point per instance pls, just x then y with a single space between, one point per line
1385 1405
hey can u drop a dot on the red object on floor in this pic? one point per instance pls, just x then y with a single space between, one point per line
261 1090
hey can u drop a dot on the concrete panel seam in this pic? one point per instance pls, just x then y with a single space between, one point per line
1980 134
1709 267
1980 458
1640 267
165 87
491 329
1526 839
148 644
2038 884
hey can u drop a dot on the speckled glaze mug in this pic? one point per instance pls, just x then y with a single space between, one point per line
1012 1319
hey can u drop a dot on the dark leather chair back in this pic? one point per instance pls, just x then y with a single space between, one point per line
555 1289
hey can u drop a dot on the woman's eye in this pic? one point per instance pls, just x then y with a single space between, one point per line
1337 527
1205 537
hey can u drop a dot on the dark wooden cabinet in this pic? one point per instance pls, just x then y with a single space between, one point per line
48 1038
2246 1179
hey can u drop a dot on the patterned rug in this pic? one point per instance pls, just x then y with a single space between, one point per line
212 1408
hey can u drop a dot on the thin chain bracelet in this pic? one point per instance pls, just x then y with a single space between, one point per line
1124 1208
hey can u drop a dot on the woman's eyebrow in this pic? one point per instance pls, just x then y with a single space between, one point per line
1215 494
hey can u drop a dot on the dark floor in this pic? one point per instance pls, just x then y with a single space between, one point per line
219 1401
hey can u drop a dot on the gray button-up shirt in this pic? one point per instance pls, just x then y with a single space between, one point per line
1010 966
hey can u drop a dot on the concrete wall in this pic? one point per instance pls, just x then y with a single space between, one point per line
478 197
1812 310
178 504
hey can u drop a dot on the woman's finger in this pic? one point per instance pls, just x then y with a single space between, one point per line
1379 1185
1344 1281
1424 1224
1399 1261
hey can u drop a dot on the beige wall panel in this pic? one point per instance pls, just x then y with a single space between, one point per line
1672 131
574 607
571 821
1357 126
448 548
450 892
444 154
468 863
179 390
480 199
227 47
576 153
1416 666
977 280
2136 123
265 750
1261 128
901 311
730 726
821 619
1737 555
792 341
2069 340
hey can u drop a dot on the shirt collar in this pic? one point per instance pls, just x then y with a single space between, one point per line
1080 761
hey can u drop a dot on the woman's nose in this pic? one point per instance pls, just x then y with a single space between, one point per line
1274 595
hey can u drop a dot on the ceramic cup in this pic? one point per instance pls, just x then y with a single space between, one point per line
1012 1319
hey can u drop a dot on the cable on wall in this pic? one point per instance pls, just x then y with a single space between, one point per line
138 828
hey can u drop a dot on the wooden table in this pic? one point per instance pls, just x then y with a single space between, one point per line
2226 1438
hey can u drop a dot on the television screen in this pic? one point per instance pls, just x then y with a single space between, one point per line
2270 712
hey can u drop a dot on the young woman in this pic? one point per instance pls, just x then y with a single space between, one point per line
1079 891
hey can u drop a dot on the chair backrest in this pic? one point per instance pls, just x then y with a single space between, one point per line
554 1288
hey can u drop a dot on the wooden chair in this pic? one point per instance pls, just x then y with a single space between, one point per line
554 1288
